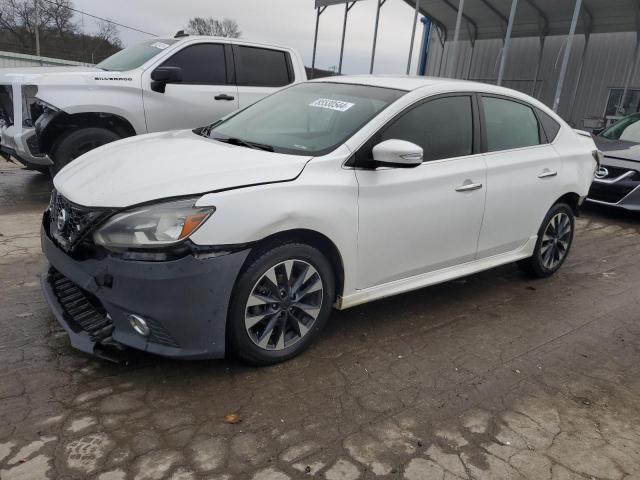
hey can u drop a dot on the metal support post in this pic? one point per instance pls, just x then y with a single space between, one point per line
567 54
413 35
347 7
456 34
507 41
375 34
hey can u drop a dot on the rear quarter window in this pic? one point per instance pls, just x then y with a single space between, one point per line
549 125
262 67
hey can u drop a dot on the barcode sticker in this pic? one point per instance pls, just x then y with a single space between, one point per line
160 45
337 105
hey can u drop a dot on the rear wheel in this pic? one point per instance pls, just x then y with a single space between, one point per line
554 242
280 303
78 142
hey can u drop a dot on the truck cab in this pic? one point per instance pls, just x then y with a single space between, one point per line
50 116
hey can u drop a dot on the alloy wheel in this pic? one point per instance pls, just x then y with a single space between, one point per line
555 240
283 305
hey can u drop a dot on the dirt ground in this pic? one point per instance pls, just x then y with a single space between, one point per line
494 376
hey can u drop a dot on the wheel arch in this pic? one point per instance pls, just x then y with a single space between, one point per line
572 199
63 122
309 237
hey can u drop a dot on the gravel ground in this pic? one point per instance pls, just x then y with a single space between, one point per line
492 376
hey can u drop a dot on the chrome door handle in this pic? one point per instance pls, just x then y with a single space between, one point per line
467 187
547 173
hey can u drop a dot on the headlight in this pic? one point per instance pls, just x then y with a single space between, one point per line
153 226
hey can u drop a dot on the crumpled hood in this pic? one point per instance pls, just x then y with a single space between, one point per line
621 149
169 164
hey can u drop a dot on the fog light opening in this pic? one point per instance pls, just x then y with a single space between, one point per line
139 325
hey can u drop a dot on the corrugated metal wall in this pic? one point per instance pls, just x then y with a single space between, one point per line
609 56
11 59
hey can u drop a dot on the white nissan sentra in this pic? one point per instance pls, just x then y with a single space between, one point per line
243 235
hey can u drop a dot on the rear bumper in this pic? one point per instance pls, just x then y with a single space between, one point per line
21 143
184 301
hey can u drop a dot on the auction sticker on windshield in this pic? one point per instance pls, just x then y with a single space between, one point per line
160 45
338 105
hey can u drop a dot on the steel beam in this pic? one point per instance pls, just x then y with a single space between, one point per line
315 41
538 64
587 35
347 7
456 35
375 34
466 17
473 49
567 54
413 35
507 41
632 67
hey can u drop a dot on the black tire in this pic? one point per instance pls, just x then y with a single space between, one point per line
78 142
249 281
544 261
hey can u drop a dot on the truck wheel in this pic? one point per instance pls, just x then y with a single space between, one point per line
280 303
78 142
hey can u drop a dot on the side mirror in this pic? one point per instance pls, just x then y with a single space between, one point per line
398 154
163 75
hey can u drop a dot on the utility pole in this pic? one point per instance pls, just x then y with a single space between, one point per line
37 27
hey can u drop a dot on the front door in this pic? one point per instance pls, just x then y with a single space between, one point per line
417 220
204 95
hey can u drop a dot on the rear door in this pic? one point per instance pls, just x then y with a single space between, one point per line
260 72
206 93
522 169
417 220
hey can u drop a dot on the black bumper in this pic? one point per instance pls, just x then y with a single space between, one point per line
184 301
620 187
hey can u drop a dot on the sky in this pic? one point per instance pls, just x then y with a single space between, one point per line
287 22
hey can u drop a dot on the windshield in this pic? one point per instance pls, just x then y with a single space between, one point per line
626 129
306 119
135 55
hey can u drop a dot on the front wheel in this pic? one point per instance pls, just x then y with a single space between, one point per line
78 142
280 303
554 242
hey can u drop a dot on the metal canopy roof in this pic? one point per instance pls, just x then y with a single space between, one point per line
488 19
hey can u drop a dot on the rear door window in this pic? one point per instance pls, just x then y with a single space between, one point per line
509 124
262 67
201 64
549 125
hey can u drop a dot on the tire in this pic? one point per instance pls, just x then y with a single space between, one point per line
300 270
78 142
555 238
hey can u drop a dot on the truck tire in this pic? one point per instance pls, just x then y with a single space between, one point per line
78 142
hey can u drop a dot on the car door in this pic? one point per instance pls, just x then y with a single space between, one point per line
417 220
260 72
207 91
522 170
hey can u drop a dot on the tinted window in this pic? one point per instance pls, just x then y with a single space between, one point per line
549 125
627 129
442 127
509 124
261 67
201 64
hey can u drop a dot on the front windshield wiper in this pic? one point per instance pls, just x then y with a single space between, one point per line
244 143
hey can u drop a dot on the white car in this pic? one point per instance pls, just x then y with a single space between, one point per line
245 234
51 115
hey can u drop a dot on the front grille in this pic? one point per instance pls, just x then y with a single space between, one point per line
6 104
614 172
82 310
68 222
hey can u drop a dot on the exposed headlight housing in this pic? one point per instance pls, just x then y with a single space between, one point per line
153 226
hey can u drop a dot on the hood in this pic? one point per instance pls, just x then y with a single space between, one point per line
169 164
41 75
621 149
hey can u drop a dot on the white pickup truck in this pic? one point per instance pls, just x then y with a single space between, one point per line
51 115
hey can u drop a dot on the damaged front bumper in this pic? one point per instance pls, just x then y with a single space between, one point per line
23 145
183 301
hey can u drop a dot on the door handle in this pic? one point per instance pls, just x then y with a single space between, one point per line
468 186
546 173
224 96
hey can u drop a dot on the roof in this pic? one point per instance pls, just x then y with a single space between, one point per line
409 82
487 19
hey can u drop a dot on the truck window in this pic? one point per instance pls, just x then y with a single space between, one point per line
201 64
136 55
262 67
